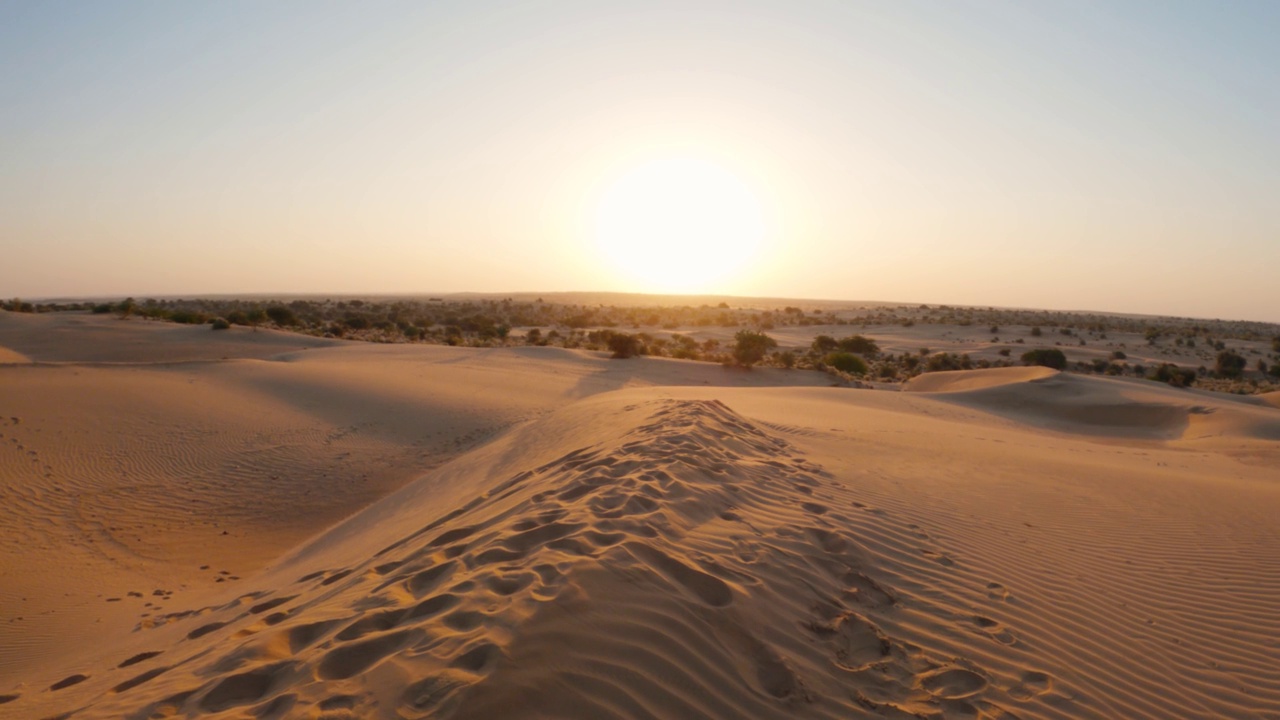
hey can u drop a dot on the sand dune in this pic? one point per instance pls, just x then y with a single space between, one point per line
1107 407
440 532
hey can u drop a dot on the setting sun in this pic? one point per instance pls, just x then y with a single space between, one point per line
678 224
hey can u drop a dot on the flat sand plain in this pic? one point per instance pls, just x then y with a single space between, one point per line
248 524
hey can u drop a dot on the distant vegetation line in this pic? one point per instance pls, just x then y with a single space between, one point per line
629 331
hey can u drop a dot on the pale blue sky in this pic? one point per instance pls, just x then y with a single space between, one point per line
1109 156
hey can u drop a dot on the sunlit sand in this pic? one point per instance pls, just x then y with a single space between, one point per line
263 524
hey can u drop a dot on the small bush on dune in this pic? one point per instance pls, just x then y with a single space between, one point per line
860 345
846 362
750 347
1174 375
1229 364
823 344
625 346
220 324
1046 357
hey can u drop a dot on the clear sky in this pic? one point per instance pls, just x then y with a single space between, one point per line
1078 155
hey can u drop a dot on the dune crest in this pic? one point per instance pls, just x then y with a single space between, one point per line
966 380
694 566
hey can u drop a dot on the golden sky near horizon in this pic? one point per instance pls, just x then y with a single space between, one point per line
1059 155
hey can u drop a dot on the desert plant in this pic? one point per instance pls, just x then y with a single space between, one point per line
846 362
1047 357
624 345
220 324
1229 364
1036 332
824 344
787 359
860 345
1174 375
749 347
282 316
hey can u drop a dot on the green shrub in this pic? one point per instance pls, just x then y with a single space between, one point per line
750 347
860 345
188 317
846 362
824 344
1174 375
282 316
1047 357
1229 364
220 324
624 345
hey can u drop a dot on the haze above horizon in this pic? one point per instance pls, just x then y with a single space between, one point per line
1117 157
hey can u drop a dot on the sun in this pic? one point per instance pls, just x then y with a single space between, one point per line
678 224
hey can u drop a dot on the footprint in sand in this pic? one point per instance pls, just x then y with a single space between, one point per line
996 591
998 632
938 557
139 658
68 682
954 682
1032 684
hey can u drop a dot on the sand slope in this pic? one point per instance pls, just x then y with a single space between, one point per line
628 542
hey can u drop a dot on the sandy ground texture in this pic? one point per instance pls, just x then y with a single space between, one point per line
245 524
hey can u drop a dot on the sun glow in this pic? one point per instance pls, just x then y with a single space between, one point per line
679 225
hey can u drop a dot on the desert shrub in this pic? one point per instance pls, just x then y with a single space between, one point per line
749 347
102 309
220 324
1118 355
533 337
787 359
624 345
1004 352
1275 344
1174 375
824 344
860 345
1229 364
1100 365
944 361
188 317
846 362
237 317
282 316
1047 357
1036 332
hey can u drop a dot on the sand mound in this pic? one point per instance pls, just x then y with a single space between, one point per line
687 567
85 338
1102 407
965 380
